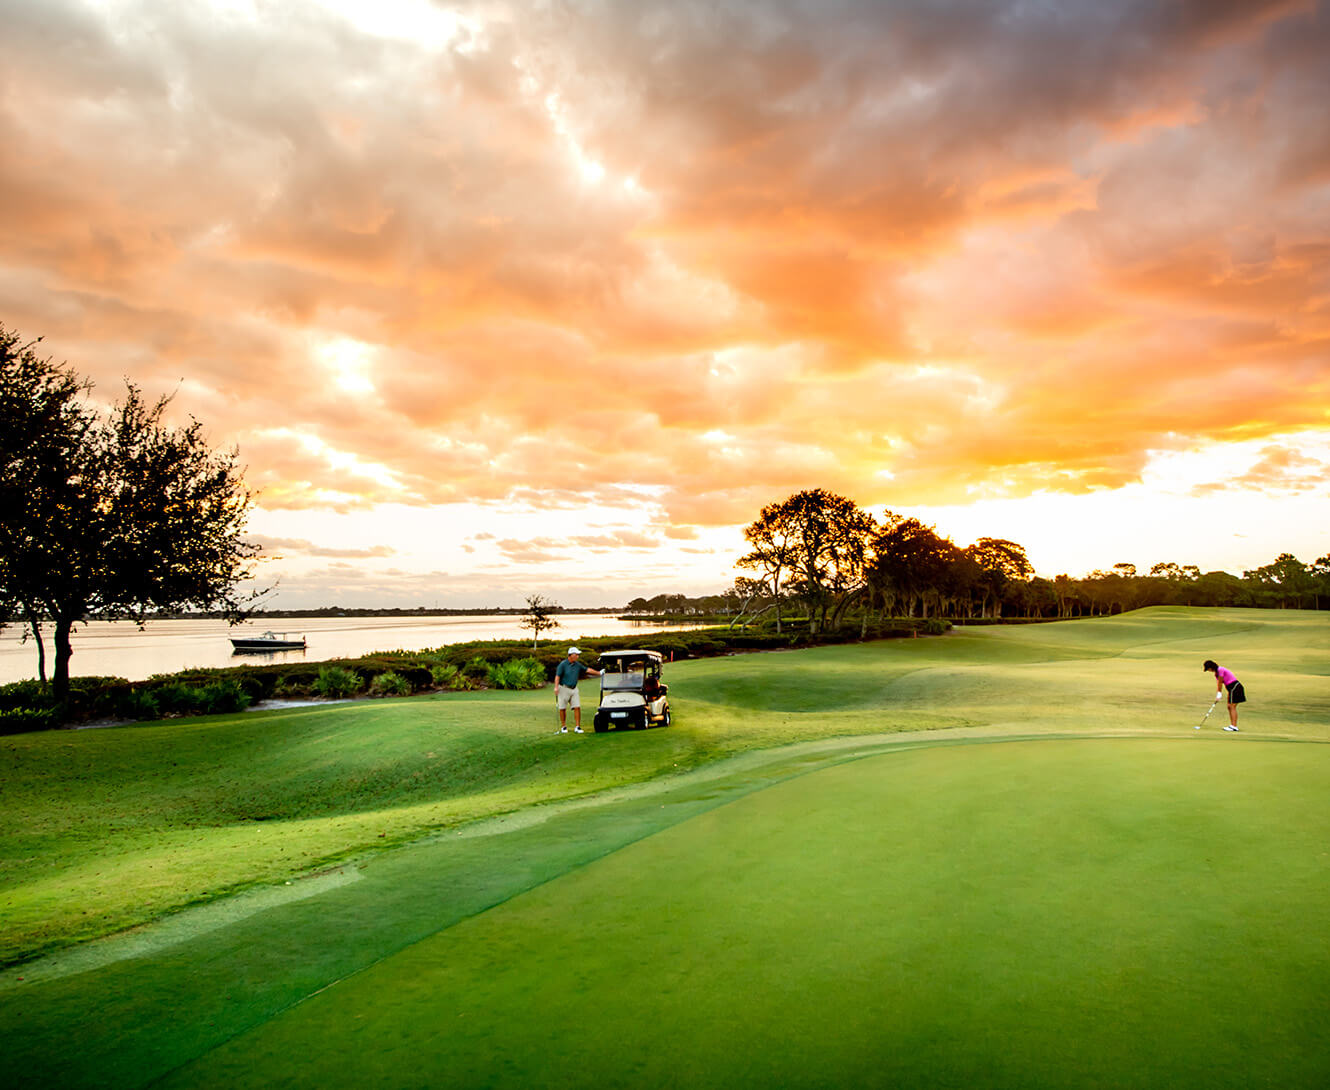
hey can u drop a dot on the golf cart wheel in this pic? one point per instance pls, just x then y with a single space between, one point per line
600 725
665 719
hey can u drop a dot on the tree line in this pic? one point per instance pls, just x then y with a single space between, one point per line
823 555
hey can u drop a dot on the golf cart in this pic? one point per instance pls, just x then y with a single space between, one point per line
631 692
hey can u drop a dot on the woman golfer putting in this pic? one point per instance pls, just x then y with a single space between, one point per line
1226 679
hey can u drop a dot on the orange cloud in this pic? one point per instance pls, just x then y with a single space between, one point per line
1279 469
677 255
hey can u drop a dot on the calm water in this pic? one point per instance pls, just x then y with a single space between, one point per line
118 649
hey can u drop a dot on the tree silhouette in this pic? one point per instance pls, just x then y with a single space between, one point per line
771 536
537 616
112 516
1286 580
830 552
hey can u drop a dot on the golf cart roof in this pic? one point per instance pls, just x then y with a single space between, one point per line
632 656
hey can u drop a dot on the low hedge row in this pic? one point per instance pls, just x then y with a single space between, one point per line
26 705
979 622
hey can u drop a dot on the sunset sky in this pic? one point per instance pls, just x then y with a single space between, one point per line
501 298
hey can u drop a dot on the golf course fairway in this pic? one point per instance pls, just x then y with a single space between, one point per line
1035 872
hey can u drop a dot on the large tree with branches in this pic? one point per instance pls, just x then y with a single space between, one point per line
110 514
909 562
821 540
772 538
999 562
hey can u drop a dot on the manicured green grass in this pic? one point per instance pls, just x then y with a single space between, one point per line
818 874
910 912
1059 913
104 829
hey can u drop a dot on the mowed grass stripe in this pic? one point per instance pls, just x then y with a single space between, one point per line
1050 913
149 1001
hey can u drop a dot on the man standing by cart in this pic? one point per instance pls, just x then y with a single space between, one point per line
566 676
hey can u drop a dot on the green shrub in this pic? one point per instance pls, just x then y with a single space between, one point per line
410 667
390 683
22 720
289 686
449 676
138 704
221 697
191 692
256 687
336 682
24 695
516 674
89 697
261 682
936 626
477 670
175 698
96 697
417 676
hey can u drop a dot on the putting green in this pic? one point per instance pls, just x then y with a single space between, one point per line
1032 913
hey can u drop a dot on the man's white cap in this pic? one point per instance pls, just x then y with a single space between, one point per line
574 651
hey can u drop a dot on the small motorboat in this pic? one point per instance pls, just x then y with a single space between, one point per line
269 641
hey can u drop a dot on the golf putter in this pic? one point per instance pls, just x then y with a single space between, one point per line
1207 713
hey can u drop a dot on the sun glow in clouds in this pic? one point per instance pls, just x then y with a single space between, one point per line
421 21
348 363
1285 463
337 459
591 170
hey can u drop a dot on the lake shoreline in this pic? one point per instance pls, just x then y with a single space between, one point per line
123 649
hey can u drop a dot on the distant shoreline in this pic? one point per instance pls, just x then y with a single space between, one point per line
349 611
170 644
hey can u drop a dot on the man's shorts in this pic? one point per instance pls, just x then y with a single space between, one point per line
1236 694
565 698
